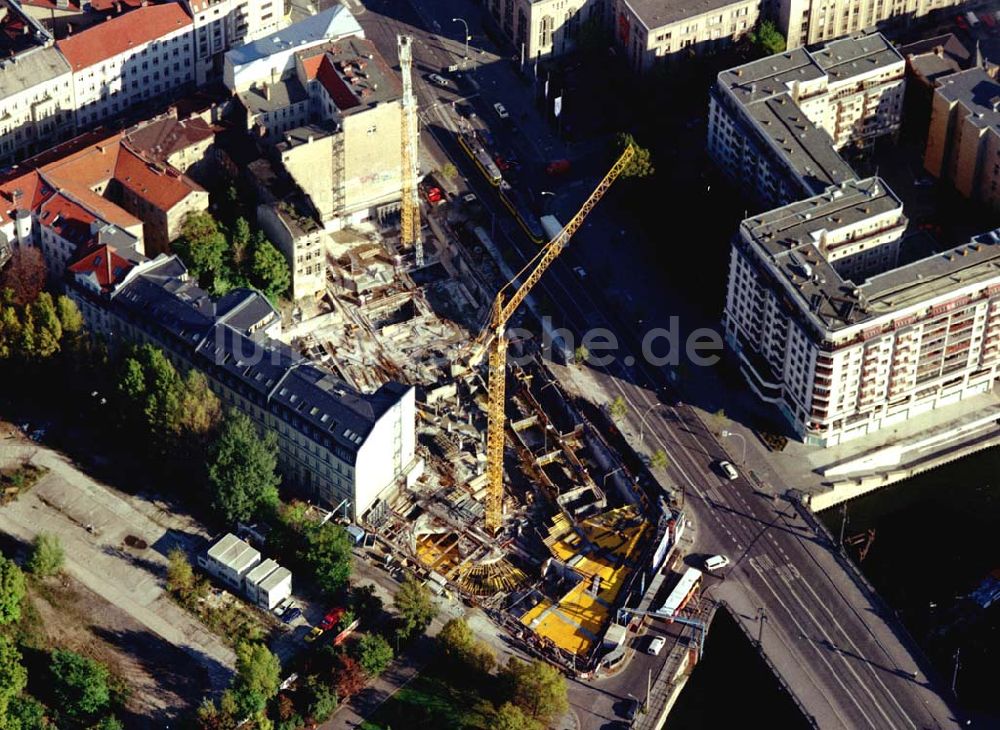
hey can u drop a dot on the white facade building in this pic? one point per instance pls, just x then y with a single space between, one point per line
130 58
220 25
229 560
775 125
268 584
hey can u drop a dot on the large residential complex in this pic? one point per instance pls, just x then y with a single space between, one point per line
826 322
335 444
805 22
963 139
51 89
660 31
775 124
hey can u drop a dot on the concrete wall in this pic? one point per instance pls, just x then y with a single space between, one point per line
311 166
386 453
372 157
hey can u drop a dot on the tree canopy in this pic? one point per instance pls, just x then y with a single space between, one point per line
47 555
538 688
24 274
374 654
328 553
415 607
258 675
13 677
242 469
37 330
202 246
641 164
269 269
767 38
80 685
11 590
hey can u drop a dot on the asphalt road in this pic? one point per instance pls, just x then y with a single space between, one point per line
843 661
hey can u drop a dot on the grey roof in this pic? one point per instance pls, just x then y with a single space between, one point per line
233 553
31 68
268 96
306 134
932 66
771 76
658 13
361 76
841 59
790 239
224 338
975 90
268 575
333 22
949 44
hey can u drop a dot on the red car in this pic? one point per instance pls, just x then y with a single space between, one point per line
558 167
988 18
331 619
961 22
434 195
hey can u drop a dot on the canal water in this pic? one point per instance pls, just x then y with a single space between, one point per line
936 538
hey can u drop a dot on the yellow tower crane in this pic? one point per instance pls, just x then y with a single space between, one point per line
409 234
493 339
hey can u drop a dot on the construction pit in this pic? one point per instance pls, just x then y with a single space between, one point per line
573 539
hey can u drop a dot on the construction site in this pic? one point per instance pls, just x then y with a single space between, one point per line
523 508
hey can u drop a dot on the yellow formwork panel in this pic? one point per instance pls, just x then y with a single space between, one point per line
535 612
565 635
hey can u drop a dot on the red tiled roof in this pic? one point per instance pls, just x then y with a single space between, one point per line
118 34
339 91
160 186
104 265
311 65
67 218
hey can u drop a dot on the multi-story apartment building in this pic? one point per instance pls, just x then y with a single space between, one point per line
963 139
143 54
220 25
840 338
335 444
652 32
544 28
775 124
36 91
805 22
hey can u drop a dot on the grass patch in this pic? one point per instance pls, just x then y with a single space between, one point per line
14 481
225 614
431 701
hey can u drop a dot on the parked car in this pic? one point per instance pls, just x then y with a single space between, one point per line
314 634
501 111
580 271
727 468
331 619
439 80
961 22
290 614
656 645
716 562
558 167
434 195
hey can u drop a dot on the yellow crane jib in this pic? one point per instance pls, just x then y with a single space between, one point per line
493 339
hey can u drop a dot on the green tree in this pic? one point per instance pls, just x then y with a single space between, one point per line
47 555
80 685
269 270
374 654
108 722
510 717
258 674
455 638
538 688
328 553
69 315
415 607
767 38
641 164
240 240
10 330
659 459
46 325
26 713
11 591
202 247
242 469
618 409
180 575
581 354
481 658
199 411
321 701
367 605
13 677
449 171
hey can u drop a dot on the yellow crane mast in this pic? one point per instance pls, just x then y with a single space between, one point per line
493 338
409 233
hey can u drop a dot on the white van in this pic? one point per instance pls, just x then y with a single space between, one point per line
716 562
656 645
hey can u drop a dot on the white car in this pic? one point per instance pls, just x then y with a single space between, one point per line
729 470
439 80
716 562
656 645
580 271
501 110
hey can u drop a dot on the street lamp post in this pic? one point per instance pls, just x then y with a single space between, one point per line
467 37
642 421
543 193
726 434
